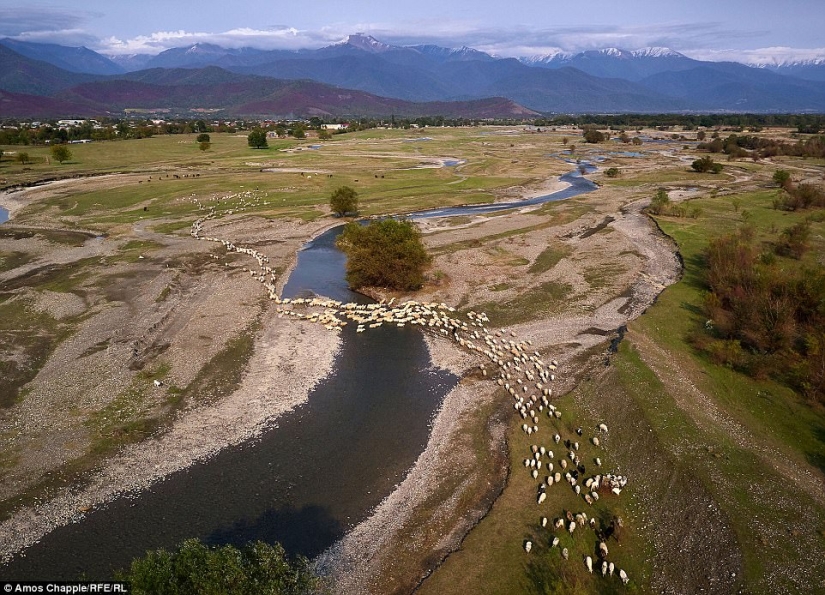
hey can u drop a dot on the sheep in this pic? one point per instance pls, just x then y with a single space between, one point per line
595 441
610 568
602 428
603 549
623 576
565 554
542 497
528 545
571 527
543 521
555 542
604 568
556 438
588 561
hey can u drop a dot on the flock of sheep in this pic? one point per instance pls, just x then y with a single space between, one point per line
520 371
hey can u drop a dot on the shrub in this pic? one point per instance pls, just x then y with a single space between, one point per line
706 164
660 203
386 253
612 172
203 138
794 240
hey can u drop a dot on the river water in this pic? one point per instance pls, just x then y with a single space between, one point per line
4 215
319 471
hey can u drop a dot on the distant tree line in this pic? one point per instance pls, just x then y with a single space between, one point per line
803 123
755 146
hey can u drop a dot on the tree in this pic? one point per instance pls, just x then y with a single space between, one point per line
706 164
781 177
324 135
197 568
344 200
386 253
257 139
660 203
298 131
592 135
612 172
61 153
203 138
23 157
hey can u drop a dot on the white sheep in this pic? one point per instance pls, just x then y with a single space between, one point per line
623 576
528 545
542 497
588 561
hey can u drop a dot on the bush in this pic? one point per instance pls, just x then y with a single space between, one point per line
203 138
386 253
660 203
706 164
344 200
781 177
794 240
197 568
612 172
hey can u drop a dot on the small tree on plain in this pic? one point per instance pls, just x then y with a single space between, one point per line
344 200
61 153
706 164
23 158
257 139
203 138
781 177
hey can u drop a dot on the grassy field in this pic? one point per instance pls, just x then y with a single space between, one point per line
738 444
719 464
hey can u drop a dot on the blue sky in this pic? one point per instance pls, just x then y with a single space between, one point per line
743 30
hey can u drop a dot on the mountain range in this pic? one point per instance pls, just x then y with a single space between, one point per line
364 76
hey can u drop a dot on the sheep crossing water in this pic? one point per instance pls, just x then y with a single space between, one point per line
520 372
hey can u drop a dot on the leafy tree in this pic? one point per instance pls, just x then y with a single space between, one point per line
200 126
612 172
386 253
61 153
23 157
660 203
203 138
592 135
706 164
257 139
299 132
781 177
197 568
344 200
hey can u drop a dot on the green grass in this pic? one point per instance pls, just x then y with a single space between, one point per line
27 339
545 299
548 258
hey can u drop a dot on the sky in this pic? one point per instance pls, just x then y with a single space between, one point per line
751 31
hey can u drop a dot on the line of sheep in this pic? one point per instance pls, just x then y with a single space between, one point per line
521 373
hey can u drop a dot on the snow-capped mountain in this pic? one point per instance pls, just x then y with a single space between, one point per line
617 62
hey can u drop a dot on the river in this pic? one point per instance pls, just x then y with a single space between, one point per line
319 471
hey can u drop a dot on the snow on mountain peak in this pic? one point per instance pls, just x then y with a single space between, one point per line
655 52
367 43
